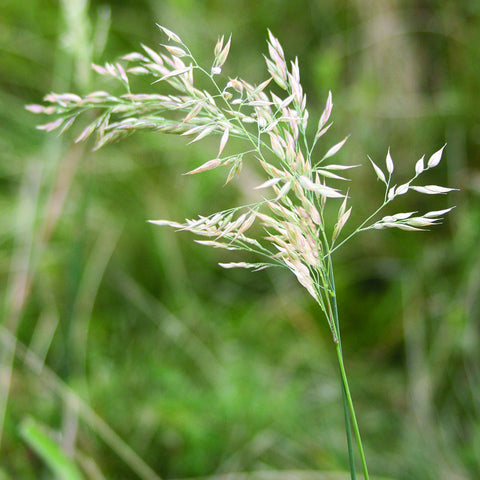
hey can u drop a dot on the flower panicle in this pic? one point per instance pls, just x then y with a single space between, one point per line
298 184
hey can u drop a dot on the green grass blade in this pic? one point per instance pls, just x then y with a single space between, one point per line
50 452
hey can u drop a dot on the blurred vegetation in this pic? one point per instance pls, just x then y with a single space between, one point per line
138 354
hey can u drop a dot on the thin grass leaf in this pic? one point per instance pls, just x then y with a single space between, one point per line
49 451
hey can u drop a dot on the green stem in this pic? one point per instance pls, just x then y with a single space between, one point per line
352 411
348 429
348 424
335 324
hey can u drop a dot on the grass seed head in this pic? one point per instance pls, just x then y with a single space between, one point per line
274 127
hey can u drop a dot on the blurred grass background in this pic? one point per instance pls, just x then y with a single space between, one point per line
138 354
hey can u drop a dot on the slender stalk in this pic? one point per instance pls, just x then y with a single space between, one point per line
352 412
335 324
348 431
346 411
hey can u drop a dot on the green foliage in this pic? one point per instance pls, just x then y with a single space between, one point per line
48 450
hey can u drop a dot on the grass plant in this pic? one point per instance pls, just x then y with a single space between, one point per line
301 217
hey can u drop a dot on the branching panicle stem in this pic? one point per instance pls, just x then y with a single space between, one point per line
296 235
